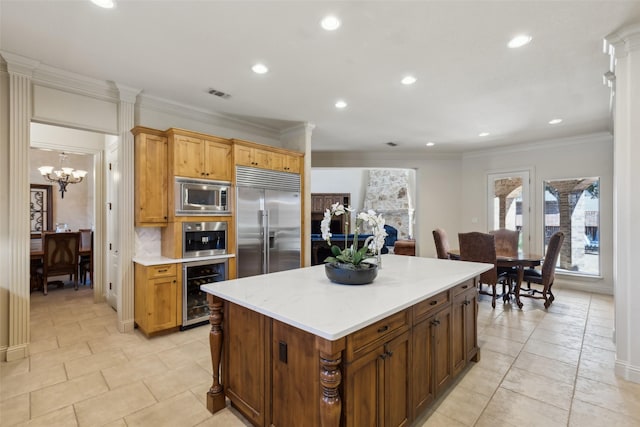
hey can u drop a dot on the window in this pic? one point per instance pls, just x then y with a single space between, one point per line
41 206
573 207
508 204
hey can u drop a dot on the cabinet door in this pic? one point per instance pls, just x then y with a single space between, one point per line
188 157
365 390
277 162
458 349
262 158
396 382
243 155
471 325
162 304
442 363
292 164
217 161
422 366
151 180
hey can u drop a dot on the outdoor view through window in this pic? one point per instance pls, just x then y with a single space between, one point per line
573 207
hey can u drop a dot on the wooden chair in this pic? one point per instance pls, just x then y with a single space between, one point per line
86 261
60 257
481 247
442 243
546 276
506 241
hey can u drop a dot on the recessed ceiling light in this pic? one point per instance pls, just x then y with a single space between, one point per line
408 80
519 41
107 4
555 121
484 134
260 69
430 144
341 104
330 23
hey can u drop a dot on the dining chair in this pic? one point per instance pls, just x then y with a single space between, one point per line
442 243
61 255
506 241
545 277
86 261
481 247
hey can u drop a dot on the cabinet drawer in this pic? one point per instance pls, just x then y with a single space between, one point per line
378 331
429 305
164 270
462 287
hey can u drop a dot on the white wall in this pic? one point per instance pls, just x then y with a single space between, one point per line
438 187
341 180
579 157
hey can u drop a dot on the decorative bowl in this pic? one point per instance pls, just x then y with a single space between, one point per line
347 274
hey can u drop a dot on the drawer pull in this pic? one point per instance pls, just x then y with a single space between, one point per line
163 270
465 286
383 329
433 302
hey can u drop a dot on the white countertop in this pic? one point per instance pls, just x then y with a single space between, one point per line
158 260
306 299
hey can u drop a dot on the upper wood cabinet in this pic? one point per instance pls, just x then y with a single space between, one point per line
204 158
250 154
151 179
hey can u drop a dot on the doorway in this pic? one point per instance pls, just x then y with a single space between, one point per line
508 204
90 147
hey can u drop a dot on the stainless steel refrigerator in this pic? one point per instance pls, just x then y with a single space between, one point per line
268 221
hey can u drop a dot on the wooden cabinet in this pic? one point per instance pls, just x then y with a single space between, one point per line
158 298
464 312
204 158
322 201
377 373
251 156
431 340
247 153
150 178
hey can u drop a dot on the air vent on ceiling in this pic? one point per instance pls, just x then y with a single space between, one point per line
219 94
392 144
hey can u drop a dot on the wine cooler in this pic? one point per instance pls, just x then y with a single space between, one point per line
195 310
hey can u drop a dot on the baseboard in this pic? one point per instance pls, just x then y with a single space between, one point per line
16 352
126 326
594 287
627 371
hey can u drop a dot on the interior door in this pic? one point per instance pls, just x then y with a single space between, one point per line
112 288
249 216
283 210
509 204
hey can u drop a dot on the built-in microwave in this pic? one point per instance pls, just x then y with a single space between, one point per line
201 197
204 238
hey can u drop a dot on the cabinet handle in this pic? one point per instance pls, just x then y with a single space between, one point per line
465 286
174 281
383 329
162 271
389 353
433 302
435 322
383 356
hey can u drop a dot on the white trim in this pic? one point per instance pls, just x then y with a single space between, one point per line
627 371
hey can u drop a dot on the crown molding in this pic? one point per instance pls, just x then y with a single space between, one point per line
625 40
127 93
603 137
206 116
17 64
305 128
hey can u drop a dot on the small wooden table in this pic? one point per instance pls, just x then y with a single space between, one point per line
519 261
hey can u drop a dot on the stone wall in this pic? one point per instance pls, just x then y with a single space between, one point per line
387 193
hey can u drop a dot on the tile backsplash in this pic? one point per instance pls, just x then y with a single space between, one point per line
148 241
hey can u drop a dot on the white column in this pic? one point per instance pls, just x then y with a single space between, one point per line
299 138
126 115
626 201
20 74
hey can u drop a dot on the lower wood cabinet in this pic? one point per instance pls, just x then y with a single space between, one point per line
389 372
158 298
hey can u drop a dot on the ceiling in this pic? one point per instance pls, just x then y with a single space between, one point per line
468 81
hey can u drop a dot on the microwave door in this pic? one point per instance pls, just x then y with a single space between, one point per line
250 244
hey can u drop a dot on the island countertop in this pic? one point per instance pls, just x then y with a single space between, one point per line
306 299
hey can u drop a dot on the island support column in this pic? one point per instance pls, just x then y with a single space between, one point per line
215 395
330 379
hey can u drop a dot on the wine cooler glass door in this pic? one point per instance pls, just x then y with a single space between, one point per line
195 310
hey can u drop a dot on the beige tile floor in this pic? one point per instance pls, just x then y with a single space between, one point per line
538 368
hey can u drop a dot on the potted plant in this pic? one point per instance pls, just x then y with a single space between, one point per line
348 265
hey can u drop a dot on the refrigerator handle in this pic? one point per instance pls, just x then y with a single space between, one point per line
265 241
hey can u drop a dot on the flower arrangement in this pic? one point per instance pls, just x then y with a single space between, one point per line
352 256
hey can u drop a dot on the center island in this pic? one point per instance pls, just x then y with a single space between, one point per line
294 349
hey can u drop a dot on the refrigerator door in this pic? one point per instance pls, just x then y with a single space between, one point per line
283 230
250 219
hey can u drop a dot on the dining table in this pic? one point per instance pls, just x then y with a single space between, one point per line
519 261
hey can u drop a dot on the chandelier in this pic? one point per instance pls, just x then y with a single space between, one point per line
64 176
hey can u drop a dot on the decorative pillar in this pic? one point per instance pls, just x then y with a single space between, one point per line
126 119
20 75
624 48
